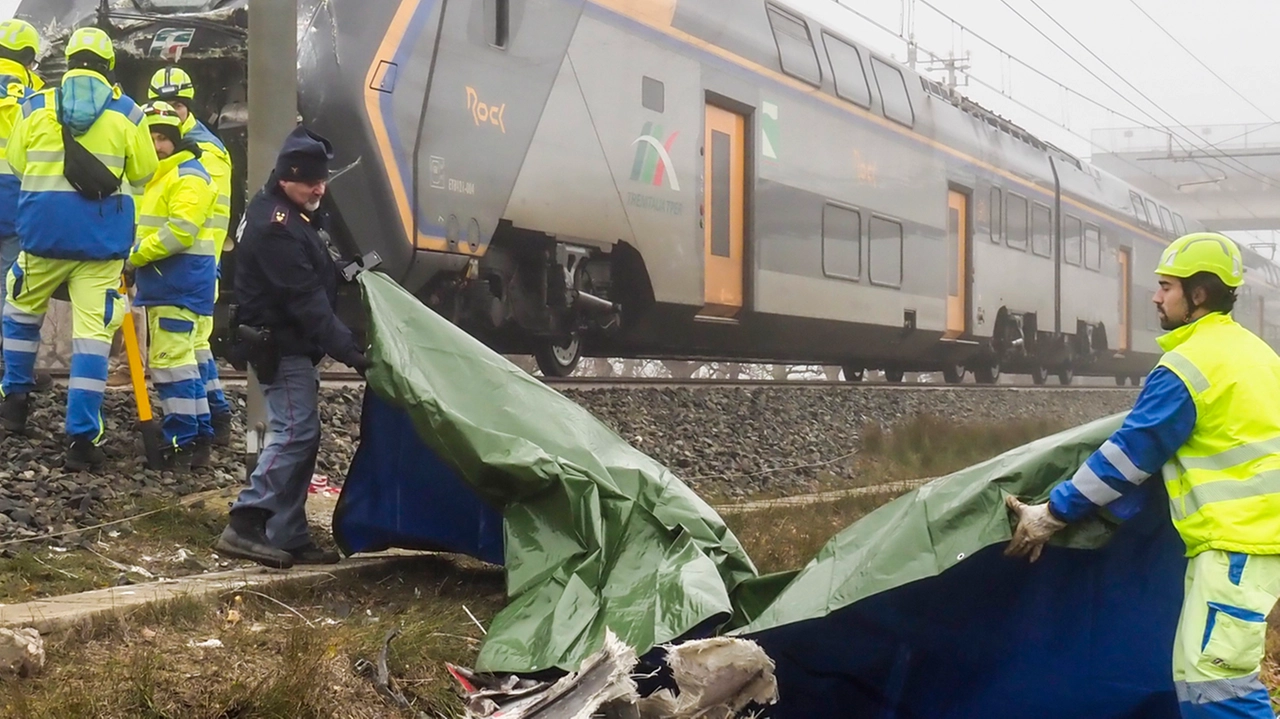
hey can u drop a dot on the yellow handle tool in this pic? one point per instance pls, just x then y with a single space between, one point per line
152 440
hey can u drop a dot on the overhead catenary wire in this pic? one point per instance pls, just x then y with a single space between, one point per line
1221 157
1216 145
1018 102
1202 63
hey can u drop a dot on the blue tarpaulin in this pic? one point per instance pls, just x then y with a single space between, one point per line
911 612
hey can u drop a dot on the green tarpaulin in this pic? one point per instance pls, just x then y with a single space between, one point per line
595 534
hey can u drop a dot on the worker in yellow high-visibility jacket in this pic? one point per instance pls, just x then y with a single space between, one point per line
174 86
175 273
76 225
19 46
1208 419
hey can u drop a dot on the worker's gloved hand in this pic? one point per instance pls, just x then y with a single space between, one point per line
360 363
1036 524
130 272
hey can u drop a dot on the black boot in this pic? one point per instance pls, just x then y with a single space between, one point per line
246 538
310 553
174 459
44 382
84 455
202 453
222 429
13 413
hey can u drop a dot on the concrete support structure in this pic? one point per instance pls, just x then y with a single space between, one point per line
273 112
1225 176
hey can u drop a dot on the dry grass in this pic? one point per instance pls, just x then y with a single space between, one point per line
787 537
272 664
32 571
927 446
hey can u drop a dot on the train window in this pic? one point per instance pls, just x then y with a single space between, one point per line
497 15
1139 211
1166 219
1092 247
1072 236
846 69
886 252
1154 213
795 47
1041 230
841 243
997 215
1178 225
653 94
1016 223
894 99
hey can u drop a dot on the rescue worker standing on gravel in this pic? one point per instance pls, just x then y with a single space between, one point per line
19 46
80 151
174 86
287 284
1207 419
175 257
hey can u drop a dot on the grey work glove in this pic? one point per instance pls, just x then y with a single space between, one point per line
1036 524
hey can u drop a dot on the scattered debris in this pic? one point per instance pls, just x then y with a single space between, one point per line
604 678
320 485
381 676
206 644
717 678
21 652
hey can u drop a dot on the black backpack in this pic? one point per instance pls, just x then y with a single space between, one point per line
92 179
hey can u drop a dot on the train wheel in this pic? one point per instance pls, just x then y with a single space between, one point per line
894 375
1039 375
987 374
559 360
1120 380
853 374
1066 375
953 374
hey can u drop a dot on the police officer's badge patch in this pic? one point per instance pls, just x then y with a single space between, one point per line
281 216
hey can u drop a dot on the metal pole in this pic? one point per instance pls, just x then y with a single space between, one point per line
273 112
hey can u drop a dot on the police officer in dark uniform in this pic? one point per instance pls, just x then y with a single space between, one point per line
286 284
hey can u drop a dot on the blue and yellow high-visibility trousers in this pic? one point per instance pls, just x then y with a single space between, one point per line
172 362
218 405
1222 635
97 311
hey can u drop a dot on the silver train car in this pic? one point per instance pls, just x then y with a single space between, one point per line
704 179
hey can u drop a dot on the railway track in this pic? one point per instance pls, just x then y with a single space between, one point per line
61 377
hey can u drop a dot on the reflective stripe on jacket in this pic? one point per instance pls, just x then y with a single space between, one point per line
16 82
54 220
175 253
1224 482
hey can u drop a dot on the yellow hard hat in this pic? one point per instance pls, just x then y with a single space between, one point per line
160 114
171 83
93 40
1203 252
18 35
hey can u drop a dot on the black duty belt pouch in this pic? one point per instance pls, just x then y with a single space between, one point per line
92 179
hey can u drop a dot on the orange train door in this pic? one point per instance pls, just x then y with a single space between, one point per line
723 203
958 257
1124 299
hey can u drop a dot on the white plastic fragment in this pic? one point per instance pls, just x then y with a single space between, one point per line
21 652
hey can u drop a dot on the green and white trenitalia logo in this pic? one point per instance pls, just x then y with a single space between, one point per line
769 130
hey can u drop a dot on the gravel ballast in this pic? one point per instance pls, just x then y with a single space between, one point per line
702 434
